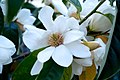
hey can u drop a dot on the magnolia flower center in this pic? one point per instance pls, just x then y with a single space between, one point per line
55 39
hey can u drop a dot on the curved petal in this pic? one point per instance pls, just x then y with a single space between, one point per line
34 39
12 50
45 16
37 67
107 8
45 55
84 62
5 55
22 15
76 68
6 43
1 67
72 23
85 9
102 44
30 20
72 35
99 52
60 24
62 56
100 23
8 61
31 27
72 9
60 6
79 50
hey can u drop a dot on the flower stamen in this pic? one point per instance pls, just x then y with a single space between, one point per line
55 39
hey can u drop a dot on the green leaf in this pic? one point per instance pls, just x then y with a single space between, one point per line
67 73
23 70
110 17
77 4
1 20
51 71
12 9
29 6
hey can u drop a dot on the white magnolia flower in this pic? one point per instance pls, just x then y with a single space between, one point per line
99 53
59 5
104 8
24 17
100 23
63 41
7 49
79 64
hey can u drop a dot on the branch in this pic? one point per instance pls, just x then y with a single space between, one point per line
93 11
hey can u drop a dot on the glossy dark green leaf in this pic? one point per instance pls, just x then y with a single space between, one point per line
77 4
1 20
67 73
11 32
13 7
23 70
51 71
29 6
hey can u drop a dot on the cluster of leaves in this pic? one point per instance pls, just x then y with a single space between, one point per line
51 69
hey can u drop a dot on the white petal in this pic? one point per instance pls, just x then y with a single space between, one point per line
60 6
76 68
45 55
5 55
31 27
30 20
79 50
62 56
60 24
37 67
6 43
8 61
107 8
84 62
34 39
1 67
101 42
72 9
22 15
72 23
84 25
100 23
85 9
99 52
12 50
45 16
72 35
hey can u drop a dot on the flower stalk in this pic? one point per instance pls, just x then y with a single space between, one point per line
93 11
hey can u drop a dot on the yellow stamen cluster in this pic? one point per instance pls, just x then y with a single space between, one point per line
55 39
